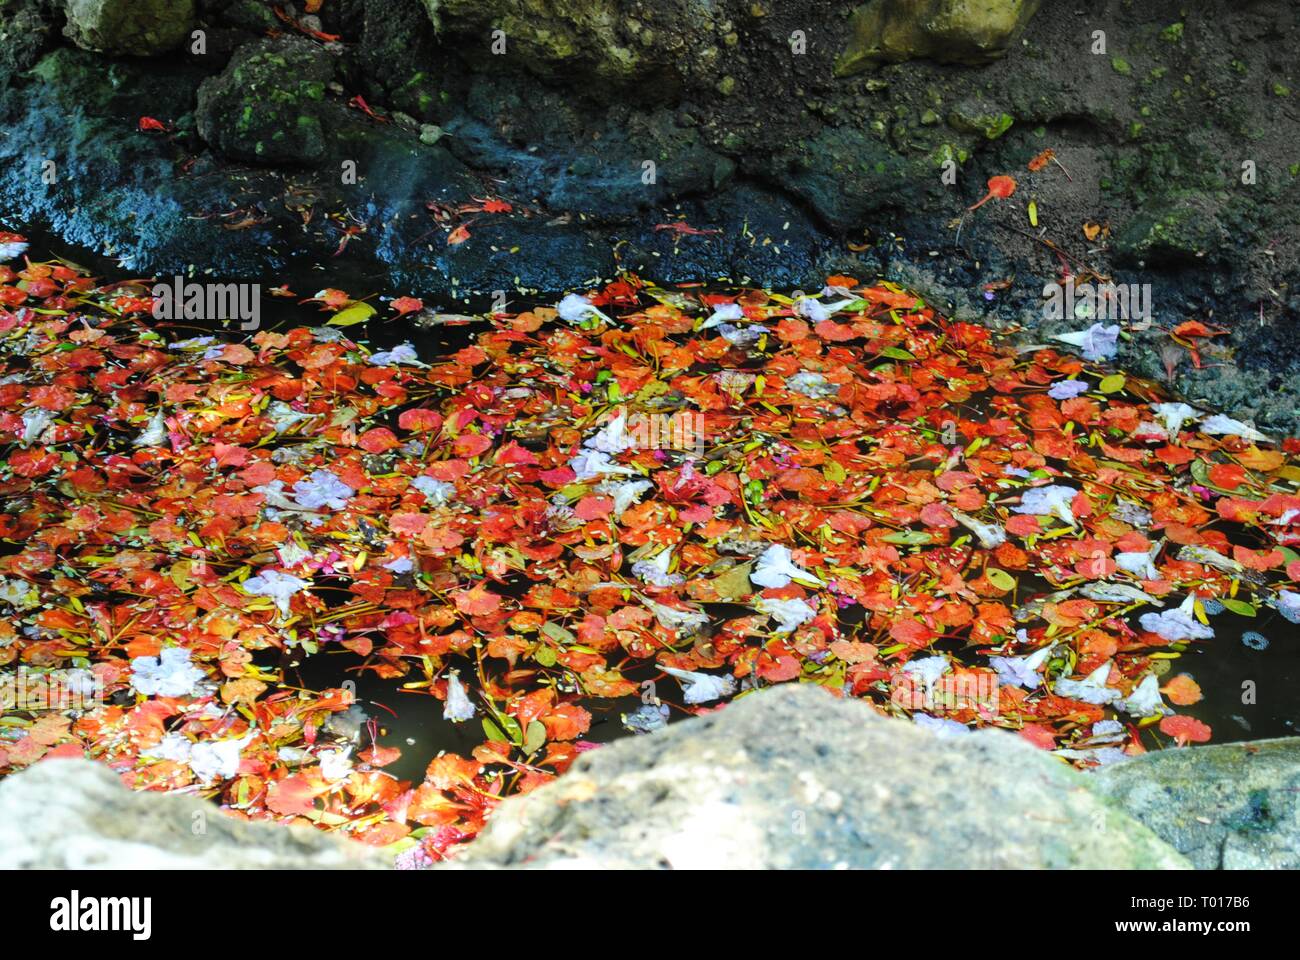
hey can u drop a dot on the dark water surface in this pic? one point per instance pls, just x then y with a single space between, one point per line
1249 694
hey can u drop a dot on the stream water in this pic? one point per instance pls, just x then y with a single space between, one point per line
1248 686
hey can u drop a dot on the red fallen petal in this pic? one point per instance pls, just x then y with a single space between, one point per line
593 507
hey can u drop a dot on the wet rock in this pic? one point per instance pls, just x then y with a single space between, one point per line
951 31
26 29
1176 232
650 55
398 61
133 27
269 104
1228 806
254 16
795 778
77 815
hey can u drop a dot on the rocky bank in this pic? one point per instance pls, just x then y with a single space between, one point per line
791 777
797 137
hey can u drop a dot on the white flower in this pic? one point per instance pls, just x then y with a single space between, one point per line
154 434
291 553
217 759
437 492
1022 671
1177 624
624 493
1118 593
1288 604
1139 563
1145 700
990 535
403 353
1220 425
335 764
816 311
1107 731
742 336
1101 756
1067 389
811 385
458 707
1173 415
576 308
589 464
83 682
173 746
193 343
1091 689
927 670
613 437
279 586
1050 501
283 416
940 726
722 313
686 621
702 687
655 570
12 249
35 422
647 718
775 568
170 674
273 492
1098 342
321 489
400 565
1132 513
19 594
789 614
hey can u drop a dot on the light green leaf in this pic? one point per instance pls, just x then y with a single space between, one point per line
1239 607
357 313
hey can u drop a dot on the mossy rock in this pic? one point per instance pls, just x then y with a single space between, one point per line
268 104
649 52
950 31
26 29
1172 233
141 28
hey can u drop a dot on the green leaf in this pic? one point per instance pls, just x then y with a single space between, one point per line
1112 384
348 316
558 633
910 538
1000 579
545 655
896 353
734 584
512 728
1239 607
535 739
493 731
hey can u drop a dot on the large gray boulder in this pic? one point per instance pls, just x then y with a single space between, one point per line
1229 806
795 778
132 27
77 815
